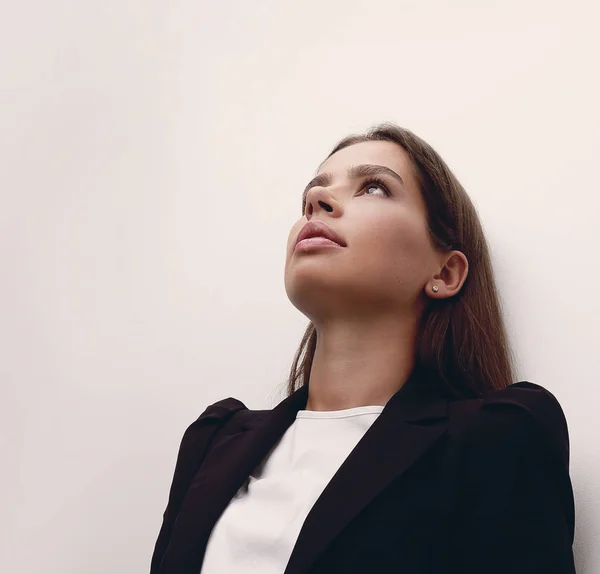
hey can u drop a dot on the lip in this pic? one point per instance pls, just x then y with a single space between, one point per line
312 243
319 229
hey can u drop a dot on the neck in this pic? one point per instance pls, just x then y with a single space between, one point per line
356 364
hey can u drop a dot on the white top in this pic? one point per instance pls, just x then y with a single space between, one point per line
258 529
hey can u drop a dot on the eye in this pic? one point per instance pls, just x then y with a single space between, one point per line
374 182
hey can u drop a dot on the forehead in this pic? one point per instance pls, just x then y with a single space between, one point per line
384 153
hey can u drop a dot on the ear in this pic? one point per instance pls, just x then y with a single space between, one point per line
450 279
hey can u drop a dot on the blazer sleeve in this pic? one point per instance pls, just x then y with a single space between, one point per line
192 450
518 512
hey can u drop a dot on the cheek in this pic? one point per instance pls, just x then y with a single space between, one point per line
411 243
396 239
293 234
396 254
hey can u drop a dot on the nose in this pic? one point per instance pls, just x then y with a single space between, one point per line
316 196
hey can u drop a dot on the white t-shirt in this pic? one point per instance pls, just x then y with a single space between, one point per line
258 529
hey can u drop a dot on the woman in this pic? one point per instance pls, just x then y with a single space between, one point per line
402 445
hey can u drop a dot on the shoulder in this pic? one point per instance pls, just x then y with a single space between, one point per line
197 436
222 409
216 414
514 446
523 416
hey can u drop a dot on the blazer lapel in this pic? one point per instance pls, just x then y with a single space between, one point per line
225 468
410 423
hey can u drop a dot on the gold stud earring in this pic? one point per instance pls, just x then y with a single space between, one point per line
435 288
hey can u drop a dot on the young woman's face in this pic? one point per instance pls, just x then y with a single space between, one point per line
388 259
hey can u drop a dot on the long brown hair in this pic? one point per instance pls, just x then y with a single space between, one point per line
462 340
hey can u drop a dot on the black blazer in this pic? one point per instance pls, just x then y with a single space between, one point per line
475 486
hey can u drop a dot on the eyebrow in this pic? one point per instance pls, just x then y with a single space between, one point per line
354 172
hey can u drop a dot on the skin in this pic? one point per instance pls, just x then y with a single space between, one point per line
366 299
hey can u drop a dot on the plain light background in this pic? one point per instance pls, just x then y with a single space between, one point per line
153 156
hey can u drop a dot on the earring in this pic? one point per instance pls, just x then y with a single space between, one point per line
435 288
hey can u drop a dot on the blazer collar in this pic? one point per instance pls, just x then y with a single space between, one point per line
420 398
412 420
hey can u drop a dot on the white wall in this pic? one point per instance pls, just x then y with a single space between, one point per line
153 158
